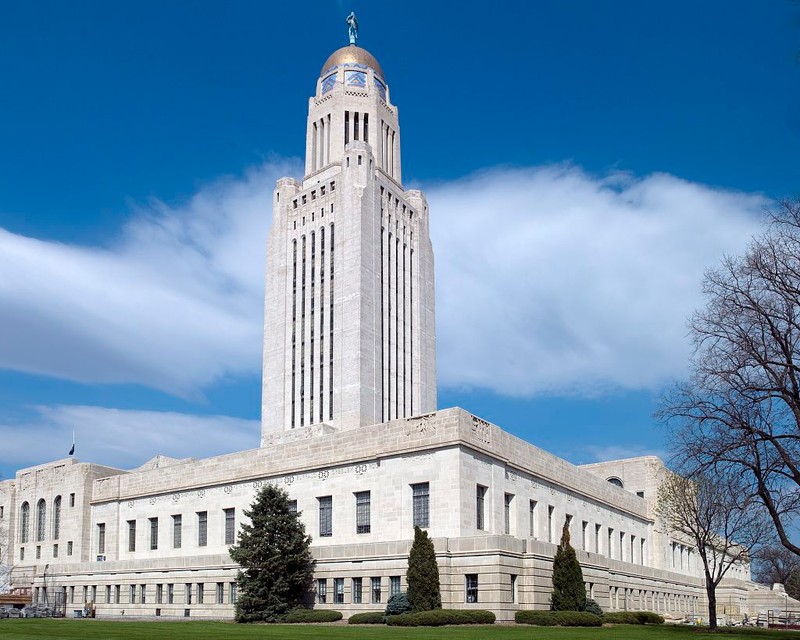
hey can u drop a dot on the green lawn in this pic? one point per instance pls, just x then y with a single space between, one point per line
100 629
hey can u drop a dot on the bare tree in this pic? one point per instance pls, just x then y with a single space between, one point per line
709 512
740 409
775 563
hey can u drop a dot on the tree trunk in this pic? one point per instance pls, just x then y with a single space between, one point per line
711 593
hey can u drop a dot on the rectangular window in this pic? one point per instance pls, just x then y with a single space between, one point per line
610 542
170 593
533 527
159 593
325 516
513 588
200 594
230 526
220 592
108 594
338 590
363 512
420 504
509 498
117 590
394 585
55 551
153 533
376 590
357 590
622 545
101 538
69 547
71 499
550 510
292 506
641 556
131 536
597 528
480 507
585 535
322 590
202 528
132 594
85 593
177 531
187 593
472 587
143 593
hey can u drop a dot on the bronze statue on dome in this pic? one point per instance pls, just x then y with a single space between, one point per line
352 24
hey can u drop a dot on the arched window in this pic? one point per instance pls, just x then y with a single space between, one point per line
616 482
25 521
41 519
56 517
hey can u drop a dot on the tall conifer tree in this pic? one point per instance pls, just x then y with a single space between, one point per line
423 574
569 592
276 564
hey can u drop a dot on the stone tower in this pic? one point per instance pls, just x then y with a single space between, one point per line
349 335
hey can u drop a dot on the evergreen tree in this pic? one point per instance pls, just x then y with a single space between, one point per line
273 552
569 592
423 574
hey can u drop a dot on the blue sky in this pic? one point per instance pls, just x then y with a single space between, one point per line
584 162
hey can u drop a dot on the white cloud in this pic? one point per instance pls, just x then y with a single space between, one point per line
122 439
548 281
553 281
175 303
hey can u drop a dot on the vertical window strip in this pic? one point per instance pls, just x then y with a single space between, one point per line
389 321
321 323
397 286
346 128
294 330
383 321
311 326
330 331
303 332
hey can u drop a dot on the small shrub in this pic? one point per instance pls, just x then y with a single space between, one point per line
633 617
312 615
593 607
369 617
558 618
397 604
441 617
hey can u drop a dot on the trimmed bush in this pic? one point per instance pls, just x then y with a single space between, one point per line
558 618
593 607
370 617
633 617
397 604
312 615
441 617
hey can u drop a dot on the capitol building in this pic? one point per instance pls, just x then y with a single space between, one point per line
351 430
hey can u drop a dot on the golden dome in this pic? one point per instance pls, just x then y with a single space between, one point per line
352 55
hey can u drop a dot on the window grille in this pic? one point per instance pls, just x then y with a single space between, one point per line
325 516
363 512
421 495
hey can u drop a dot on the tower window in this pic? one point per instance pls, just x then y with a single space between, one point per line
355 126
366 127
346 128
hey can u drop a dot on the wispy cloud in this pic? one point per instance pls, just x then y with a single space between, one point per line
122 439
175 303
549 280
